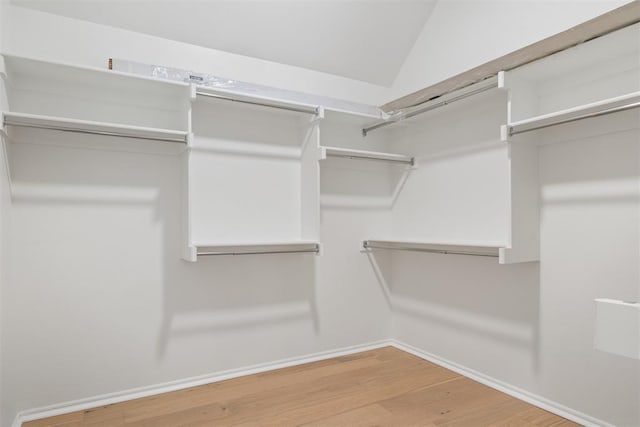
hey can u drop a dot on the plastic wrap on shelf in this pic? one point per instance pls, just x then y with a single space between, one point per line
243 88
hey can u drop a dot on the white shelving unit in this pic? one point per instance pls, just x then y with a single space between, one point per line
594 79
64 97
455 201
251 177
251 156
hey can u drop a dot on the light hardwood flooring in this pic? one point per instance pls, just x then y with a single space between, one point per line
384 387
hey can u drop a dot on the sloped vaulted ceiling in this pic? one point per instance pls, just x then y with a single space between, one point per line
366 40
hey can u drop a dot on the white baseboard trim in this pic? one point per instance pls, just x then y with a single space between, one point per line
111 398
540 402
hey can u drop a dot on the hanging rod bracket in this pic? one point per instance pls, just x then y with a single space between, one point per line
3 120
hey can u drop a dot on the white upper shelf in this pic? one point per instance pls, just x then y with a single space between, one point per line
366 155
607 106
92 127
42 88
58 71
260 101
350 118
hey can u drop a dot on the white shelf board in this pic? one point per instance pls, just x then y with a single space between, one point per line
356 119
366 155
607 106
257 248
489 250
60 71
92 127
258 100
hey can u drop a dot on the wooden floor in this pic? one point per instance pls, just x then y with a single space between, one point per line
384 387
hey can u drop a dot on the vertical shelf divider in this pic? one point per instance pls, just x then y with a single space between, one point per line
189 251
311 154
522 164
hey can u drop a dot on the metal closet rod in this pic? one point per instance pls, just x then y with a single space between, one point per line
309 110
514 131
368 245
430 107
266 252
352 156
94 132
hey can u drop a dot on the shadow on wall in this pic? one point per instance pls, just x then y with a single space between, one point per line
96 252
463 295
590 247
227 293
359 185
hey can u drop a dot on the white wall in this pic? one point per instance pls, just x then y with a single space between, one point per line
4 243
4 209
64 39
462 34
590 246
98 297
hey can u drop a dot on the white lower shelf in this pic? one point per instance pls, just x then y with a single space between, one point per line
92 127
437 248
366 155
257 248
